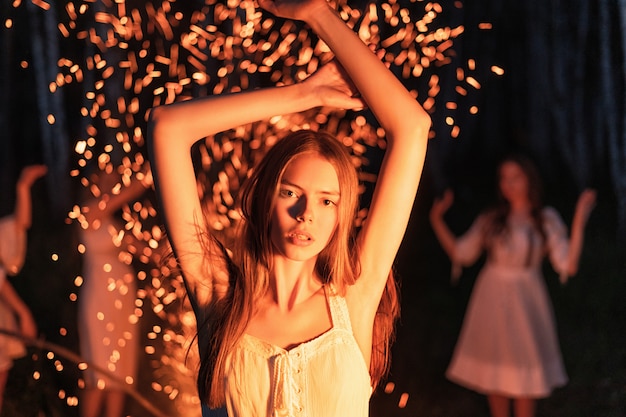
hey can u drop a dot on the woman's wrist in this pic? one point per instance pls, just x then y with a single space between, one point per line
301 96
319 15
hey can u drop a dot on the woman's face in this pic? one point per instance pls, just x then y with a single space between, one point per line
305 211
513 182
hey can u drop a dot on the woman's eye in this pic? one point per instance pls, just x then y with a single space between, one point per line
329 202
287 193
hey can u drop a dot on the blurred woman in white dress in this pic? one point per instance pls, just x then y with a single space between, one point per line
508 347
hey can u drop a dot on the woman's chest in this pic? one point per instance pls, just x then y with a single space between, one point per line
291 327
321 377
520 245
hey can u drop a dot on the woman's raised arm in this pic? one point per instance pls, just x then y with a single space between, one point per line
173 130
406 124
442 232
584 206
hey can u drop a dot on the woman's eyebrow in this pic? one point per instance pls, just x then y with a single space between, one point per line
335 193
330 193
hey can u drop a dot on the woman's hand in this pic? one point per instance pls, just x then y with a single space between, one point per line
443 233
585 205
293 9
28 327
441 205
333 87
30 174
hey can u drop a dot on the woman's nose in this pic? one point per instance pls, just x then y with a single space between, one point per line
304 212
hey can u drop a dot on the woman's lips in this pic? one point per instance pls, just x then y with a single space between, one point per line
300 238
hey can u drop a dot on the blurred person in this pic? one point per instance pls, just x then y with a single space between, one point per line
107 324
15 315
508 347
298 317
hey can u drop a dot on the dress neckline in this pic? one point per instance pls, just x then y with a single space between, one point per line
257 341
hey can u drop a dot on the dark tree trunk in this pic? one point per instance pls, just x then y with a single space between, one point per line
610 112
54 140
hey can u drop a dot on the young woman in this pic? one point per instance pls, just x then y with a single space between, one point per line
13 230
109 336
508 347
289 322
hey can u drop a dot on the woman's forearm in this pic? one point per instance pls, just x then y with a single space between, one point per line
444 235
584 206
577 238
184 123
398 112
23 212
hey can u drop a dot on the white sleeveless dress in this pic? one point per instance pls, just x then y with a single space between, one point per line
324 377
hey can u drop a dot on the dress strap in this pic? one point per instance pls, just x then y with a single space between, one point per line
339 310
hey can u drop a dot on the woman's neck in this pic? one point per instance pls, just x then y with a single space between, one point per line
521 206
292 282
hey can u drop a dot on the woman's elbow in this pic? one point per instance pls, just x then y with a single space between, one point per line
420 123
410 123
155 121
572 270
152 115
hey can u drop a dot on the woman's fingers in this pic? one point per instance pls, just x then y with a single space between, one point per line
293 9
588 200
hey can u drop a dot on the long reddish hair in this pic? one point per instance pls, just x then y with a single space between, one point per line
502 209
249 267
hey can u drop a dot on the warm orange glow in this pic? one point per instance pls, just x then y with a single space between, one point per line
497 70
472 81
40 3
404 398
159 55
